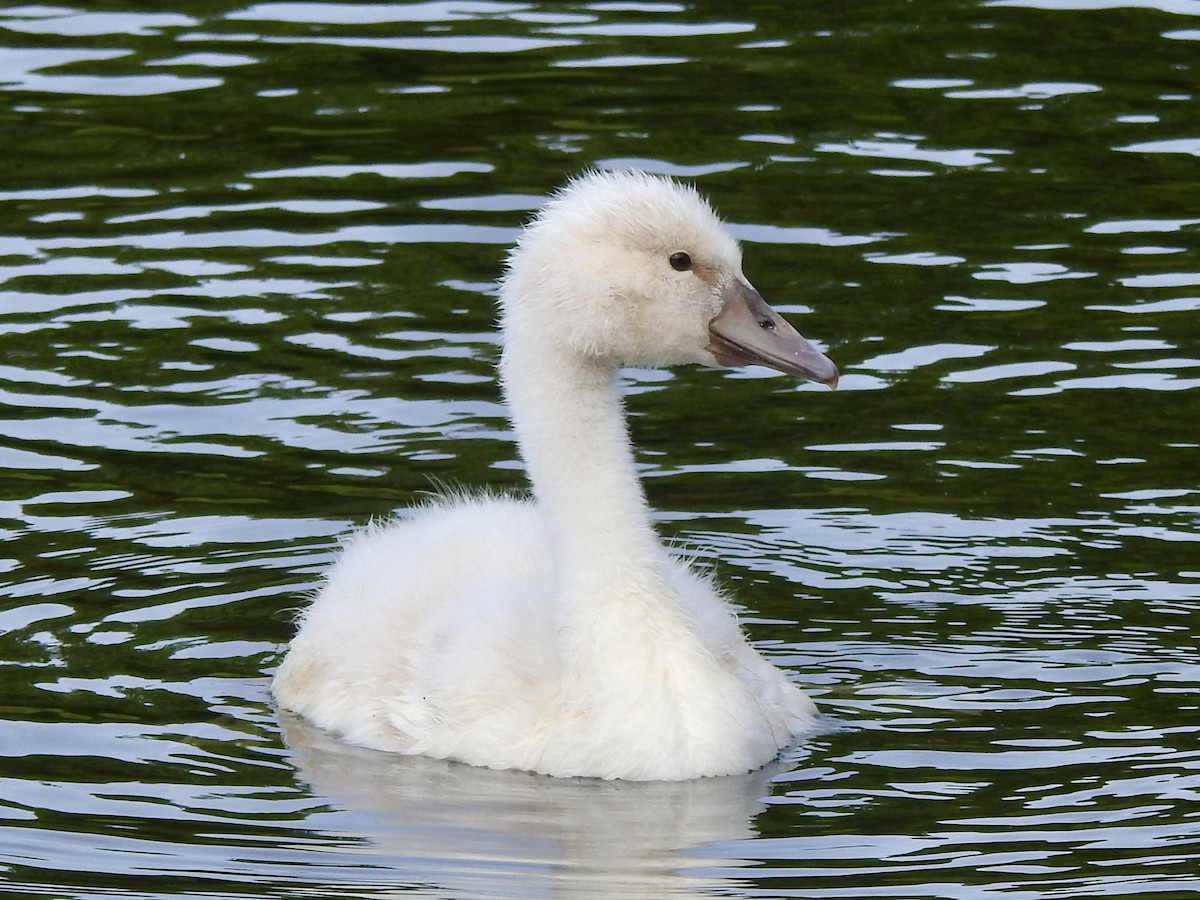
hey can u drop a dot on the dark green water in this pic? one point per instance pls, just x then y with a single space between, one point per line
245 304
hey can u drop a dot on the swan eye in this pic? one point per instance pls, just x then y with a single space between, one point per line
680 262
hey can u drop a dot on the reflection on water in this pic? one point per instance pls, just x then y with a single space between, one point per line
246 265
470 831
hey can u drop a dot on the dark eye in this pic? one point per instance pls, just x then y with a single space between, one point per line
680 262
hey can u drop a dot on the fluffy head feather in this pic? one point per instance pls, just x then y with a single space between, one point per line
593 273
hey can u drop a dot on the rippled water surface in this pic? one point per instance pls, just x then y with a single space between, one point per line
246 257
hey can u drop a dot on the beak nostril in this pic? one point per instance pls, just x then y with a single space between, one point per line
738 339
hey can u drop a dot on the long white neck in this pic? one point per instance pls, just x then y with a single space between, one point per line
569 419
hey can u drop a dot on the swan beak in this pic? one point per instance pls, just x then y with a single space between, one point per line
747 330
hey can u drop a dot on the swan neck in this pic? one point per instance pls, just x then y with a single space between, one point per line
570 424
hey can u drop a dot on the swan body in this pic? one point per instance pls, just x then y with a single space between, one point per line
555 634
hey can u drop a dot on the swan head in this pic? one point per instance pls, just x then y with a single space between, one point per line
632 269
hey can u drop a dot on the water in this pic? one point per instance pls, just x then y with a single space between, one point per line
245 304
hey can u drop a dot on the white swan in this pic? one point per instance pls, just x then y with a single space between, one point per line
556 634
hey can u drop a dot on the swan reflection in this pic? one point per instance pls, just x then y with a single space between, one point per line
446 829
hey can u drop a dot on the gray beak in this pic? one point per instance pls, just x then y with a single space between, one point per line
747 331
